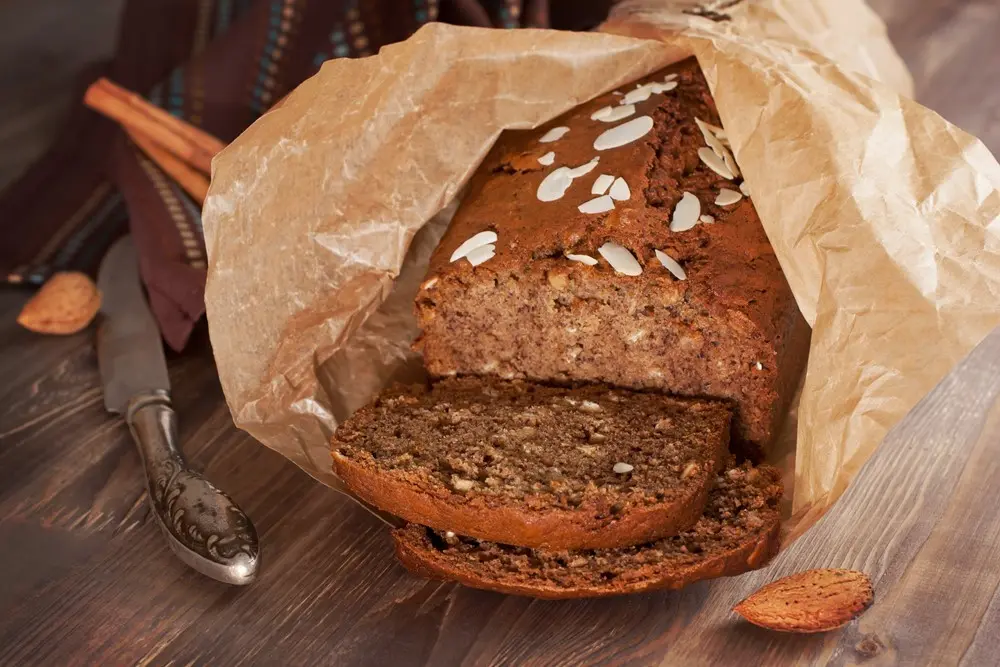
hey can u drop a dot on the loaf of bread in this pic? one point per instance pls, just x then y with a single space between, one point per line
738 532
537 466
604 304
618 244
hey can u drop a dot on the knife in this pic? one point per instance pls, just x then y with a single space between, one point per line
203 526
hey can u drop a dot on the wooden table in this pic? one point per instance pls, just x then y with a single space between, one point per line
85 577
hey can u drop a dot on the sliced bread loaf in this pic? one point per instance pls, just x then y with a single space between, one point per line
738 532
534 465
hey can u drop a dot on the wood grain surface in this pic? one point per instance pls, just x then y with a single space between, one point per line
85 578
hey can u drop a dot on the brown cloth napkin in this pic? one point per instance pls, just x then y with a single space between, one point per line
218 64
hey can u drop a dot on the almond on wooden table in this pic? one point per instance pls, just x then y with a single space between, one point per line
65 304
810 601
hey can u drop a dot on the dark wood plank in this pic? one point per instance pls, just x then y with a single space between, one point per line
85 577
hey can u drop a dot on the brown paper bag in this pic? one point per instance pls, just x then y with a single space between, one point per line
885 218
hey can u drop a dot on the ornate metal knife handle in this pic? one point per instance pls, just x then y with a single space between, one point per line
203 526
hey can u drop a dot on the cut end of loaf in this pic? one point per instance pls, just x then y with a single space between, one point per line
652 335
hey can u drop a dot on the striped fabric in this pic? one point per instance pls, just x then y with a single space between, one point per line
217 64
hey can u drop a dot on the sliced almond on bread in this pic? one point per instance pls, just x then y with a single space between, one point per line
810 601
64 305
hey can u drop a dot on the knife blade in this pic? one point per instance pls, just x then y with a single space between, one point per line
129 350
202 525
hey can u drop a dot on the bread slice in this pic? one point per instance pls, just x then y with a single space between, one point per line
535 465
739 532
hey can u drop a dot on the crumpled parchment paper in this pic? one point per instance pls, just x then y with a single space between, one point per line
885 218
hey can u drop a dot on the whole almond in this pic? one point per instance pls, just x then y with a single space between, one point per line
810 601
64 305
